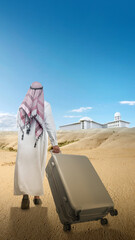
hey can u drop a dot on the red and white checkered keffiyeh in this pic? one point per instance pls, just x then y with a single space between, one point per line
32 108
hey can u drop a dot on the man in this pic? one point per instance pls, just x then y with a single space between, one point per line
35 122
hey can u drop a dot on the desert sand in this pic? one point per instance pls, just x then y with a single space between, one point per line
112 153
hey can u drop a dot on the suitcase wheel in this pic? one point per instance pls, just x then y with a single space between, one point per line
67 227
114 212
104 221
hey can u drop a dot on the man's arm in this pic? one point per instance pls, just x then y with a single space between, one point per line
51 128
17 119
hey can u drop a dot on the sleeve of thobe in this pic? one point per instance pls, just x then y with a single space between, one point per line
50 125
17 119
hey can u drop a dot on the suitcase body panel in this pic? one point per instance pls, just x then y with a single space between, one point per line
77 190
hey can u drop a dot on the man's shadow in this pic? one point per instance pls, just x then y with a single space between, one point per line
28 224
35 224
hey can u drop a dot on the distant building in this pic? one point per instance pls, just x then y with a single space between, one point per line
86 123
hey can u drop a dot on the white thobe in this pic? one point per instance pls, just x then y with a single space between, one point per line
30 162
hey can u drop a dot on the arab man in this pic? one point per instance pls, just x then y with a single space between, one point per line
35 122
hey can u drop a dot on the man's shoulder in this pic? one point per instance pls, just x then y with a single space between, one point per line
46 103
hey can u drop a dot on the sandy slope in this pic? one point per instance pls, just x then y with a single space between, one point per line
112 153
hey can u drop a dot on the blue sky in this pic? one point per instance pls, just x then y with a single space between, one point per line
83 53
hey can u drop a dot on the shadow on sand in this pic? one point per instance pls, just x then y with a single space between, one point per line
34 224
28 224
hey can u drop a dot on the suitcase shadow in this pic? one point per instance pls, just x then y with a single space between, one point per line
97 234
28 224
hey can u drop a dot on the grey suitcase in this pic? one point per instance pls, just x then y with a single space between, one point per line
77 190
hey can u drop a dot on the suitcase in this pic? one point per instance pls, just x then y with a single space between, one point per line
77 190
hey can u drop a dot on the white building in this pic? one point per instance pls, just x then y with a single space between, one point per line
86 123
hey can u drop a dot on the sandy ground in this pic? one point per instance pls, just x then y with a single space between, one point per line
112 153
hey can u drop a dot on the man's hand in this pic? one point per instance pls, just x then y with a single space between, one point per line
56 149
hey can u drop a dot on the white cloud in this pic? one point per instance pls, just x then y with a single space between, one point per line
81 109
72 116
8 122
131 103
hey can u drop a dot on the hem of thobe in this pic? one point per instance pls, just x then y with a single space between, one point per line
29 193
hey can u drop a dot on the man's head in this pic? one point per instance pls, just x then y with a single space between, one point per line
32 109
36 85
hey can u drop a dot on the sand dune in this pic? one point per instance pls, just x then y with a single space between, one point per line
84 139
112 153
